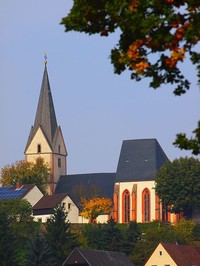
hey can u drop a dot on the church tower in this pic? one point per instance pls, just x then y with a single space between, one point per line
45 138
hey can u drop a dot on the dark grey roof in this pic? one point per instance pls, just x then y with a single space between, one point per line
90 257
139 160
45 115
84 185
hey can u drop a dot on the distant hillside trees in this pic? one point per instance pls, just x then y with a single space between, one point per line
178 185
24 172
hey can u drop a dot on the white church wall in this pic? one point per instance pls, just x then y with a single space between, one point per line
140 187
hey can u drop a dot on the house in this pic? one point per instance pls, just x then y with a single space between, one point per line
131 187
44 208
29 192
170 254
89 257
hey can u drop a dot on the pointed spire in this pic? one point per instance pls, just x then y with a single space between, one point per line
45 114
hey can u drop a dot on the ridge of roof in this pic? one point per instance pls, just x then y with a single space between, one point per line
49 201
184 255
99 257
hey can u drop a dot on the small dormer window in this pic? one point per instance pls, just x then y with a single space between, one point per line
39 148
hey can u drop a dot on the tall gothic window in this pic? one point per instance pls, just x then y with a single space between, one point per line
146 205
126 206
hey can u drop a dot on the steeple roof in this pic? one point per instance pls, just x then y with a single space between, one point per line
45 115
139 160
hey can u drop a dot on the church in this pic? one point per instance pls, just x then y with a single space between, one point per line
131 187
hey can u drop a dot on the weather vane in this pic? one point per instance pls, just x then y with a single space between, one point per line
45 58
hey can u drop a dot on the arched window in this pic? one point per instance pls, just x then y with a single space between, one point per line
126 206
146 205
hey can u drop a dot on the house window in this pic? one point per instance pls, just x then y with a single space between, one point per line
126 206
146 205
64 205
59 162
39 148
59 149
160 253
39 220
69 206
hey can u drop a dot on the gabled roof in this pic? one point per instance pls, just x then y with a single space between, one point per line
45 115
97 258
49 202
183 255
12 192
82 185
139 160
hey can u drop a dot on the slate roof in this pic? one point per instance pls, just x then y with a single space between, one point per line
80 185
45 115
139 160
97 258
12 192
183 255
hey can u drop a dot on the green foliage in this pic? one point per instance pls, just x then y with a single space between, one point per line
92 233
192 144
38 253
24 172
111 236
59 237
8 241
165 27
178 184
131 234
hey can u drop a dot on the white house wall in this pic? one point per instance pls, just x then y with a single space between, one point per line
69 206
33 196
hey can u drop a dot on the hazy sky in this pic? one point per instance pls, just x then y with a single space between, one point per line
95 108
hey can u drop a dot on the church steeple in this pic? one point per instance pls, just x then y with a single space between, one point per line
45 138
45 115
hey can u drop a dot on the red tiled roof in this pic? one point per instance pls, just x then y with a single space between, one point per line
183 255
49 202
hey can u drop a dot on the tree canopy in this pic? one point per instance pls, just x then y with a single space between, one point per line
94 206
155 37
178 184
24 172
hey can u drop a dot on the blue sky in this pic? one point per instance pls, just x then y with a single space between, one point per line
96 109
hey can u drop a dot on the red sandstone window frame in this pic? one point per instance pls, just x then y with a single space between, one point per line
126 206
146 209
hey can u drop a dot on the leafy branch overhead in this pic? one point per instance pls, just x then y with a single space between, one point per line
167 29
155 37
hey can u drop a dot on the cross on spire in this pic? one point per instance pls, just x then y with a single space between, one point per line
45 58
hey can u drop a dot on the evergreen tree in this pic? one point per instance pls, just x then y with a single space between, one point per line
92 233
38 253
111 236
8 247
59 236
131 236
